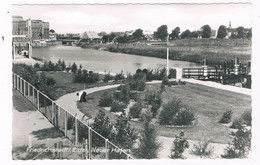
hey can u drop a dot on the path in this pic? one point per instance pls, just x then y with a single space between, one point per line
69 101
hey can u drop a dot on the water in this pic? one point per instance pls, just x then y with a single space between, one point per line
101 61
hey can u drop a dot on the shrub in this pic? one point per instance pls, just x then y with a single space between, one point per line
117 107
154 109
183 117
135 110
106 99
202 149
247 118
241 144
134 96
138 85
179 145
50 81
237 123
119 76
125 93
169 111
37 65
74 67
226 117
153 97
107 78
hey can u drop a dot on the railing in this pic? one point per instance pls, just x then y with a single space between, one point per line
97 146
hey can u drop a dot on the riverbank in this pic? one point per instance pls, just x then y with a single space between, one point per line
215 54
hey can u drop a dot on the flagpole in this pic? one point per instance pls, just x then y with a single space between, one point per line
167 62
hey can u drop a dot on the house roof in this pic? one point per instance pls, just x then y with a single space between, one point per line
90 35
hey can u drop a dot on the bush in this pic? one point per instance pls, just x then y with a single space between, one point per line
119 76
247 118
183 117
154 109
125 94
135 110
153 97
241 144
50 81
226 117
179 145
74 67
106 99
134 96
202 149
237 123
169 111
117 107
107 78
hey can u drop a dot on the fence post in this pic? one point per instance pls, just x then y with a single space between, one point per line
33 95
16 81
76 131
53 114
66 123
106 149
86 147
38 100
24 88
89 142
20 84
29 93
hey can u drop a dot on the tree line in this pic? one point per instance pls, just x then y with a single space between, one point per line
162 34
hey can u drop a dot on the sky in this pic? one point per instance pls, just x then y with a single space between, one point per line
80 18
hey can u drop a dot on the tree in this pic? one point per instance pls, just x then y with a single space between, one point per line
185 34
103 126
52 31
123 135
148 141
249 34
194 34
179 145
241 32
74 67
206 31
138 34
122 39
161 33
175 34
63 66
222 32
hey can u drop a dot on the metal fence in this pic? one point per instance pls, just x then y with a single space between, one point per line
78 132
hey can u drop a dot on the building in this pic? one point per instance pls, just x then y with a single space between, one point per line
19 26
90 37
40 29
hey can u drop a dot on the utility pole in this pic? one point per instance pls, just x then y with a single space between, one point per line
30 37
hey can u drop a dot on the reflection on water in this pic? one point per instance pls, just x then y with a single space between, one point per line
104 61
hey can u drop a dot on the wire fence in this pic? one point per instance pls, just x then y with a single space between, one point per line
78 132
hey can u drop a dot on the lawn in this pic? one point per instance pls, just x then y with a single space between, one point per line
209 104
194 50
64 83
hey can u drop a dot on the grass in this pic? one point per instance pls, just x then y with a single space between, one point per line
45 133
195 50
209 103
20 103
64 84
